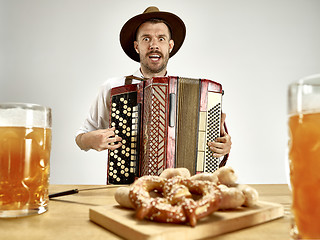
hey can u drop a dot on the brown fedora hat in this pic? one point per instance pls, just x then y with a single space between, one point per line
129 29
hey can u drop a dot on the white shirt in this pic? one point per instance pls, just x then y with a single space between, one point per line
98 117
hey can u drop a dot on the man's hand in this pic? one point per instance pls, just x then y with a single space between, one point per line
99 140
222 145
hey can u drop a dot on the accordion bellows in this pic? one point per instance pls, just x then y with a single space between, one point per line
164 122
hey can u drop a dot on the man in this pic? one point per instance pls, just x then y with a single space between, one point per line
150 38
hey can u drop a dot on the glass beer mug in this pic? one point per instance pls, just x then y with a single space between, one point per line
25 143
304 156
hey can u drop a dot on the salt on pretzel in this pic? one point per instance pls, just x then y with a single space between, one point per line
177 204
122 193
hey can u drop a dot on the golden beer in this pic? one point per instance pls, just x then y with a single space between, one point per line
304 155
24 160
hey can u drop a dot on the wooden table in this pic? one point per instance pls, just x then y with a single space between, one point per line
68 217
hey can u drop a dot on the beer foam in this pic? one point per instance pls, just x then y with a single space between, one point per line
24 115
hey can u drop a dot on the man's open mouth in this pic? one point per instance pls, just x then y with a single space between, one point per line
154 57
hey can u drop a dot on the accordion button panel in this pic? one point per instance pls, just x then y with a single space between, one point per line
209 130
124 117
213 130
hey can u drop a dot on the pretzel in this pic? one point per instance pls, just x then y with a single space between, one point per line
206 177
173 172
122 197
176 197
177 204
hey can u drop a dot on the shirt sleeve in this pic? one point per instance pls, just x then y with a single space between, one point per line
98 116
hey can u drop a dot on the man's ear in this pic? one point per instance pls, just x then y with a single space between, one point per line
136 46
171 45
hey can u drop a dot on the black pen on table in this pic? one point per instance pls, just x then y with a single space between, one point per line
74 191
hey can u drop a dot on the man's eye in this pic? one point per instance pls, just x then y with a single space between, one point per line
146 39
162 39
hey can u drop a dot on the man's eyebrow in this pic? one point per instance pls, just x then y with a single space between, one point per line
148 35
145 35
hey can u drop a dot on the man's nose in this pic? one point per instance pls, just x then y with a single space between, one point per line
153 45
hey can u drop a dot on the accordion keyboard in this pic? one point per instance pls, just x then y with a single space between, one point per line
213 128
125 117
209 130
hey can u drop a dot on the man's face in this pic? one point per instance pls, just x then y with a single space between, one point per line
153 44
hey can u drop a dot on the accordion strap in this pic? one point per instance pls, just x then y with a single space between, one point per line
129 79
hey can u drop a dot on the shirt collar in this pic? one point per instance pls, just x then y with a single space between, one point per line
139 74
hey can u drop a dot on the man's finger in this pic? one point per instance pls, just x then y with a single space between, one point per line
223 118
114 146
115 139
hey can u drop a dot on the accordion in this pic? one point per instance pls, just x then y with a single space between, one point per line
164 122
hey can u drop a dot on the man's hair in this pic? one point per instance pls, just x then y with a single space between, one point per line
155 20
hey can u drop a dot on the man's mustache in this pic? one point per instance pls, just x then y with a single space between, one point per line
155 52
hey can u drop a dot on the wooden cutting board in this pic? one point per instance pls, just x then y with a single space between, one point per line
121 221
